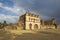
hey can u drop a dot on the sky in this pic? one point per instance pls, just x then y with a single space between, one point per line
10 10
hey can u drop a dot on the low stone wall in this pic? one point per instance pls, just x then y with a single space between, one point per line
48 27
58 26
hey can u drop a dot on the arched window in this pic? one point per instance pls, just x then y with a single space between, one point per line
35 26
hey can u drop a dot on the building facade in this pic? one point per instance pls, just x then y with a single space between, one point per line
29 21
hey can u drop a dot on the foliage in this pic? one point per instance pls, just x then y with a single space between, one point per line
2 25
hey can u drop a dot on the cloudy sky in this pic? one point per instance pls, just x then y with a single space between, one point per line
10 10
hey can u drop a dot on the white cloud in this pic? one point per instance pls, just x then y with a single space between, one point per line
9 18
0 4
15 9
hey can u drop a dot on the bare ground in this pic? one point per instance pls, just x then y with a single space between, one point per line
47 34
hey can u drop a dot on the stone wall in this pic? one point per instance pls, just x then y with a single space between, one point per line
48 27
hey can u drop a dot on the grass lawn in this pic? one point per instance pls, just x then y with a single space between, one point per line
47 34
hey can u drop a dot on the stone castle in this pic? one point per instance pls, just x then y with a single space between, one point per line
32 21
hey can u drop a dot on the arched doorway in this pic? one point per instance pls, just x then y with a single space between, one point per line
30 26
35 26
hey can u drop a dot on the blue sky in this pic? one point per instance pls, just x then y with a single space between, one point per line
10 10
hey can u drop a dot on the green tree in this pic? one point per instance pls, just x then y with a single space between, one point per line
4 24
1 25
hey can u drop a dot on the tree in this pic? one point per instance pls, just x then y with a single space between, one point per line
1 25
4 24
